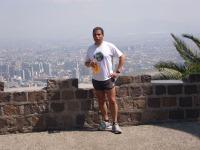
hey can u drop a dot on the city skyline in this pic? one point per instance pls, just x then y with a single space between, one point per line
33 65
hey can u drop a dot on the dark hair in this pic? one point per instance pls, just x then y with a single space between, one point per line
98 28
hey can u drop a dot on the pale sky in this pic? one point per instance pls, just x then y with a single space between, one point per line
76 18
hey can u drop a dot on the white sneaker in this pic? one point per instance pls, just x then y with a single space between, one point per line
105 126
116 129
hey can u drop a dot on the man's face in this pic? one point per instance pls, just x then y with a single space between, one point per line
98 37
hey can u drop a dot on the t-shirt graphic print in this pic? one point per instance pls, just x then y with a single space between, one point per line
97 57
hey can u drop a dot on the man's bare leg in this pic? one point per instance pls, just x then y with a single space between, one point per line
111 95
102 104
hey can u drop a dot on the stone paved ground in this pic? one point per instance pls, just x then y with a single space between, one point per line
166 136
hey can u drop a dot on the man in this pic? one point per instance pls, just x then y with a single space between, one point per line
100 58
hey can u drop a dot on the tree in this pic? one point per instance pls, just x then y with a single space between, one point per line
172 70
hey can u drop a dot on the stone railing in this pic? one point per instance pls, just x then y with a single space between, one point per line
64 106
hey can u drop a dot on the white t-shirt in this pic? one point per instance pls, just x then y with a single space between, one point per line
103 55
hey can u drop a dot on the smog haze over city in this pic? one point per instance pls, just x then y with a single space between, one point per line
41 39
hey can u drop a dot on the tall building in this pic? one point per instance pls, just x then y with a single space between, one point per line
47 69
77 69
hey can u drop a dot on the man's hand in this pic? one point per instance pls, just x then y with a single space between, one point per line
90 63
87 63
114 75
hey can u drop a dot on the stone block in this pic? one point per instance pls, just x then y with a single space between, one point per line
82 93
1 111
22 123
185 101
95 105
176 114
36 108
64 84
3 131
154 102
29 109
5 97
21 109
125 104
137 79
122 91
57 107
51 122
69 83
1 86
52 84
68 94
3 123
57 122
123 80
10 110
169 101
139 104
43 108
136 117
136 91
20 96
142 79
12 130
154 116
69 121
73 105
129 118
11 122
160 90
196 101
190 89
147 89
37 96
80 120
175 89
92 118
145 78
74 82
91 93
86 105
53 95
37 122
192 113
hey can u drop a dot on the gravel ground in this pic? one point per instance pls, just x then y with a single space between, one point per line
166 136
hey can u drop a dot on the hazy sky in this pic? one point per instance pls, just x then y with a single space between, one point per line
76 18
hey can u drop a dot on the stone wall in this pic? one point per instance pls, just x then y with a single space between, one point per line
63 106
142 101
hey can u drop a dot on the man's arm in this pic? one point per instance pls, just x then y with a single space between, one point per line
119 67
120 64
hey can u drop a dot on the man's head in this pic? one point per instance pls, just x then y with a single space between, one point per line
98 35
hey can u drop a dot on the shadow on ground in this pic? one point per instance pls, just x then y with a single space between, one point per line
189 127
192 128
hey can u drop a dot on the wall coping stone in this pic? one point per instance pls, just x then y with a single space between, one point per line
167 81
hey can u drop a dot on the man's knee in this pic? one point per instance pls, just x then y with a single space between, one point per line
101 102
112 101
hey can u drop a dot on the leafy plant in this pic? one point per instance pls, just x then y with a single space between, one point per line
172 70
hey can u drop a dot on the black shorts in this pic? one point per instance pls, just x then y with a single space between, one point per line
103 85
